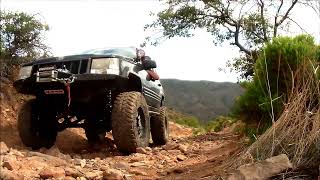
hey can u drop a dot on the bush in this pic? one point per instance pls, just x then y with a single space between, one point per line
275 71
189 121
219 123
22 40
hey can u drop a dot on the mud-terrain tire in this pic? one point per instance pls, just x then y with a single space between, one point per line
32 131
160 127
130 122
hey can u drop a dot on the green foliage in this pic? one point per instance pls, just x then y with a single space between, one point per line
189 121
198 131
219 123
22 37
278 66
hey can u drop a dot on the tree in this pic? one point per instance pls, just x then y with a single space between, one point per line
22 35
246 24
22 39
285 64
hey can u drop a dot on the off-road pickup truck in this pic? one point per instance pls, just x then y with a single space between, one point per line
100 90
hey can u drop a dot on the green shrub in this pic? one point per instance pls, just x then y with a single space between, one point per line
277 67
189 121
198 131
219 123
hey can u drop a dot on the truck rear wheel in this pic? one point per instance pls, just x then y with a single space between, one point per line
33 131
159 128
130 122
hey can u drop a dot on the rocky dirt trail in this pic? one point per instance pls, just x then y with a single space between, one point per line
184 157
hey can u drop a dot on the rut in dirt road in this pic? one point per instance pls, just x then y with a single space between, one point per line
73 158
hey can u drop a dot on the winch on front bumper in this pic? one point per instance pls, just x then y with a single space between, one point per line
50 74
53 80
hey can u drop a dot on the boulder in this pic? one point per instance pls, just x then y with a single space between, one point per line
183 148
262 170
3 148
54 161
11 165
94 175
113 174
52 172
138 172
141 150
80 162
181 157
10 162
72 172
138 164
6 174
170 146
120 165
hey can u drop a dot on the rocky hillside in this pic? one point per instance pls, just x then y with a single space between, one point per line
203 99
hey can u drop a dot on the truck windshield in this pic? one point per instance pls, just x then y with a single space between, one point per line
129 52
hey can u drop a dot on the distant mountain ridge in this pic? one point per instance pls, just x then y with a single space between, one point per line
202 99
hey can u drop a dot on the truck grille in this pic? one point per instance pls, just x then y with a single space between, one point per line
74 67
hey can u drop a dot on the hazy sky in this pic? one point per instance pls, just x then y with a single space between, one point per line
80 25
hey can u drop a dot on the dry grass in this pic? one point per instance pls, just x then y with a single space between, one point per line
297 131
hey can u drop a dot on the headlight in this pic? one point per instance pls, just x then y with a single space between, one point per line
25 72
105 66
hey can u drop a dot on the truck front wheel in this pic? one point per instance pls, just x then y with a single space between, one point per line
36 129
159 128
130 122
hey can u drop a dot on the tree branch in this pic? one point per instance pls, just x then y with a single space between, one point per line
236 41
275 28
288 11
277 24
264 28
224 12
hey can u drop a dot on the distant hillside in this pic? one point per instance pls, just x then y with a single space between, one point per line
203 99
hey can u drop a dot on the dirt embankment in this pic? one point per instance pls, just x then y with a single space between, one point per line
184 157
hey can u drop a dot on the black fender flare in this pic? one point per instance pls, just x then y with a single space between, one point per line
135 83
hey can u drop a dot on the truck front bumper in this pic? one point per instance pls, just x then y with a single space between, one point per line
83 81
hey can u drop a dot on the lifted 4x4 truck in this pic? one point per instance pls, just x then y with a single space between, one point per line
99 90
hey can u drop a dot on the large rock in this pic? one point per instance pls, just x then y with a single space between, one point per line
170 146
80 162
54 161
6 174
11 165
10 162
120 165
16 153
94 175
139 164
113 174
141 150
181 157
73 172
262 170
138 172
52 172
3 148
183 148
